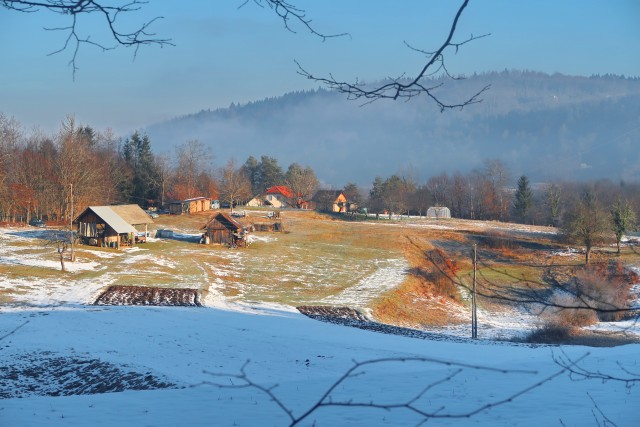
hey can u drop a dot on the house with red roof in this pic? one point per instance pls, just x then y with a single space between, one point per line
279 196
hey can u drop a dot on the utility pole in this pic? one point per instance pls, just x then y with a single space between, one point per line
474 314
73 258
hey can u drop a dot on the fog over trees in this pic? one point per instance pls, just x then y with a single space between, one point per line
544 126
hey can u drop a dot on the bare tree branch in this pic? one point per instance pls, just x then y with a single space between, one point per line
13 331
287 12
76 9
578 372
242 380
402 88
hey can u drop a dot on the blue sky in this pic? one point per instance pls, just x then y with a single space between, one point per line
227 54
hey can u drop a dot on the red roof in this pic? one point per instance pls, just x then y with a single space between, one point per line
280 189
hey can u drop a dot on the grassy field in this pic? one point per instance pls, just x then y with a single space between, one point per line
409 272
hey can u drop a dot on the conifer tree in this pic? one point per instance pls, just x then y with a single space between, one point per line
523 199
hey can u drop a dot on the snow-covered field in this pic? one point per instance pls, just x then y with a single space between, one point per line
165 361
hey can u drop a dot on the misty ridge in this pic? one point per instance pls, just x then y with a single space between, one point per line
544 126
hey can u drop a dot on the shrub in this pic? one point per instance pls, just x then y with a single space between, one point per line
570 317
550 333
606 288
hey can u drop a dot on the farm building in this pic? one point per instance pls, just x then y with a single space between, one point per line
330 201
193 205
224 230
112 226
438 212
279 196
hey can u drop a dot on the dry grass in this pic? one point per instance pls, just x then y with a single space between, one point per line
318 258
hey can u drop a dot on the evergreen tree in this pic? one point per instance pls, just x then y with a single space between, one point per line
270 173
623 219
145 177
523 199
251 170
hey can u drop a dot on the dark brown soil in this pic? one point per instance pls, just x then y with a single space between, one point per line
141 295
49 374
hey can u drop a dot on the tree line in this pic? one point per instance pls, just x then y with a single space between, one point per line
49 176
45 177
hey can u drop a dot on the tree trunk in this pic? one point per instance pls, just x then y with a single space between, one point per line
62 261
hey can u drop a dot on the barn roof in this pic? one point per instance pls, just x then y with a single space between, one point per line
132 214
111 218
225 220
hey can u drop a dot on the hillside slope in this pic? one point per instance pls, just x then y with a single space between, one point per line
545 126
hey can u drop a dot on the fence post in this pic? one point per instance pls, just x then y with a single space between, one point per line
474 314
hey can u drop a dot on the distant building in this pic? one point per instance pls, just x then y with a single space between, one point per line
193 205
438 212
279 196
330 201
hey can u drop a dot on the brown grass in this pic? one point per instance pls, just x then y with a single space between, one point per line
320 257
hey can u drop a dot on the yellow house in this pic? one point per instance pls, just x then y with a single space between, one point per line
330 201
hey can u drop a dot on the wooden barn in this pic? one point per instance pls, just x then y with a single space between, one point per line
105 225
194 205
224 230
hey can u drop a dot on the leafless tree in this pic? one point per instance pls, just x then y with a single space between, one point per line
193 160
164 175
439 186
79 173
302 182
587 224
10 137
234 183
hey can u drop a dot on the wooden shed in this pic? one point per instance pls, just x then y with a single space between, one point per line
224 230
193 205
104 226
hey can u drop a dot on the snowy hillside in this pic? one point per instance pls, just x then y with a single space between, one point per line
64 363
303 358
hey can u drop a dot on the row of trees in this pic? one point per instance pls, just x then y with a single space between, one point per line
46 177
588 213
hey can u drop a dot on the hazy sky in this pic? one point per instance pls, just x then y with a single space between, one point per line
227 54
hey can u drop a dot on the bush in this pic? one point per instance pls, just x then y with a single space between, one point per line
607 288
550 333
570 317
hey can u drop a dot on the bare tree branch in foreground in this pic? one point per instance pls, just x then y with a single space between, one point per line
580 373
406 88
399 87
77 9
14 330
288 11
412 404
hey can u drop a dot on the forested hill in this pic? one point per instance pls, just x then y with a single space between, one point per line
544 126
